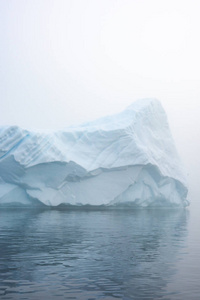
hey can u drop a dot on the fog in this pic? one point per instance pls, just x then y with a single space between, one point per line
68 61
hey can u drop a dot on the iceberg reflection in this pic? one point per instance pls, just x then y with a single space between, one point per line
90 254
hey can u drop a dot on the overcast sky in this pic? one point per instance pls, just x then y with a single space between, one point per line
63 62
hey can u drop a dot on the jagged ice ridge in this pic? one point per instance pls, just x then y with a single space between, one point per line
125 159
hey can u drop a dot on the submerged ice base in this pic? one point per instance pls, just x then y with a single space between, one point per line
126 159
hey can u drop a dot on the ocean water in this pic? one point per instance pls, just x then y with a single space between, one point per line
122 254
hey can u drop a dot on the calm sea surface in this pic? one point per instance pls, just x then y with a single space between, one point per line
131 254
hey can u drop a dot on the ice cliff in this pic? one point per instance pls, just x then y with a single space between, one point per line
125 159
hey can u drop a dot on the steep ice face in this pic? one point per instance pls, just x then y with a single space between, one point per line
125 159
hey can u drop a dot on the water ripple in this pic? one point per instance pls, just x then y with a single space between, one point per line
91 255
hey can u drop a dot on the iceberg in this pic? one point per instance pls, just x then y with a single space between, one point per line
128 159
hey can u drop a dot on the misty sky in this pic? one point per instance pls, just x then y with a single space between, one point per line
68 61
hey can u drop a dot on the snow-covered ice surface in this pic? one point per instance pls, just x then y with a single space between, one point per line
128 159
